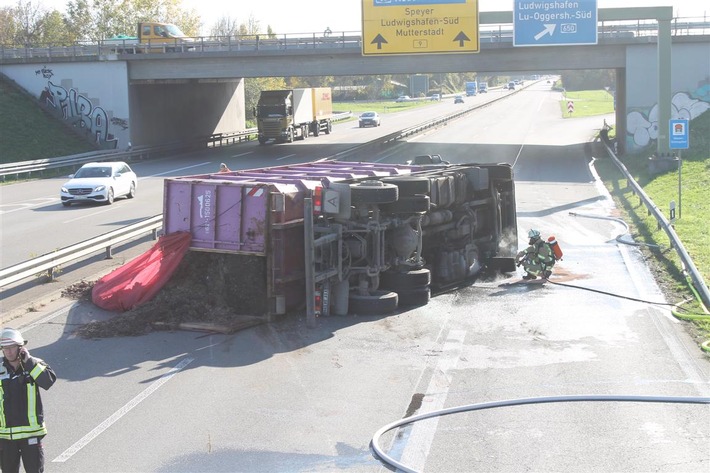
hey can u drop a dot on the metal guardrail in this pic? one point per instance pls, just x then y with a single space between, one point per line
49 262
663 223
138 153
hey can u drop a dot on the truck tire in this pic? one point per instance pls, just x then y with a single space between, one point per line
405 280
328 128
418 296
375 303
410 185
262 140
304 132
419 203
289 136
373 192
316 129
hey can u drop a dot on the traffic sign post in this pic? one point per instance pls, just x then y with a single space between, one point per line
554 23
679 138
419 26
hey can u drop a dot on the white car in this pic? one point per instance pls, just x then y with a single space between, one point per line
99 182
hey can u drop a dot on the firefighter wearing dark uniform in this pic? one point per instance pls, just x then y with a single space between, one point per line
21 414
537 259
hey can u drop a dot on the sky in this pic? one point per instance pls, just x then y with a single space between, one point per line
309 16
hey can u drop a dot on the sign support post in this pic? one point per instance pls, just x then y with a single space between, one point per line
679 131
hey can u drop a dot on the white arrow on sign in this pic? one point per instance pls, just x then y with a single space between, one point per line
549 28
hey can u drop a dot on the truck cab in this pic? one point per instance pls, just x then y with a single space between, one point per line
166 35
152 37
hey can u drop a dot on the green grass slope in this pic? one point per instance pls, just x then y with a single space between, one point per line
27 132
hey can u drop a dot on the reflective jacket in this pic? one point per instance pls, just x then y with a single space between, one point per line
539 252
21 413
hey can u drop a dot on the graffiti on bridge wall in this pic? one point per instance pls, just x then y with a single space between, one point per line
78 110
642 127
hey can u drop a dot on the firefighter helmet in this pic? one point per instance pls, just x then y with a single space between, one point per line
532 233
10 337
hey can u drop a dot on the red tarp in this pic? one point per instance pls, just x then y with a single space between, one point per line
139 280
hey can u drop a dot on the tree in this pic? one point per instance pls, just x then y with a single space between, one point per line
55 30
28 22
8 26
225 26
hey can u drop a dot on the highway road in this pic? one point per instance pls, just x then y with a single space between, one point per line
284 397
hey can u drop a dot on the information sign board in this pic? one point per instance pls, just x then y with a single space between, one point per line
554 22
419 26
679 134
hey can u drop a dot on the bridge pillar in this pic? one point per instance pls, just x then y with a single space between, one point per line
664 83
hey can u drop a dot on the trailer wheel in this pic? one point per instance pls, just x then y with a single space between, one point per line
375 303
262 140
304 131
412 204
316 129
329 128
414 297
410 185
373 192
289 136
405 280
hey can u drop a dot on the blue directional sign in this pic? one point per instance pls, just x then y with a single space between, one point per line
679 134
554 22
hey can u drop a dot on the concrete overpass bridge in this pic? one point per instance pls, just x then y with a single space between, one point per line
662 69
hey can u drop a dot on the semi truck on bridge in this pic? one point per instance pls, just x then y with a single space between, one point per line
343 237
285 115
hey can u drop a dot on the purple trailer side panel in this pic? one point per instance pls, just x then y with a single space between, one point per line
221 216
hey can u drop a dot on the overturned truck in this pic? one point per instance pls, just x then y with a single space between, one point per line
344 237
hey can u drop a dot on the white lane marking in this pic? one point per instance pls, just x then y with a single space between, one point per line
176 170
284 157
84 441
418 443
242 154
30 204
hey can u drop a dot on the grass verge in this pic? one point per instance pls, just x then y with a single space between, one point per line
691 223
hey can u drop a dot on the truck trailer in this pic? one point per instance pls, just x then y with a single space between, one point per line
284 115
344 237
471 89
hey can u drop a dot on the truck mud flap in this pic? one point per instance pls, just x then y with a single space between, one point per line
501 264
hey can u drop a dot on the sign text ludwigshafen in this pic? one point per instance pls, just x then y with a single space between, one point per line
556 5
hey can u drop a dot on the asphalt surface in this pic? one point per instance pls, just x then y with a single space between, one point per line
284 397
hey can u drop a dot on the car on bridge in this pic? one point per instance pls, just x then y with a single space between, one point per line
99 182
370 119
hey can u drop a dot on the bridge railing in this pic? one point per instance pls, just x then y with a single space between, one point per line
488 33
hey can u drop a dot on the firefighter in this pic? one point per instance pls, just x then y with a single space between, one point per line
538 258
22 417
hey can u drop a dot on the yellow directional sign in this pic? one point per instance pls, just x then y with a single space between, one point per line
419 26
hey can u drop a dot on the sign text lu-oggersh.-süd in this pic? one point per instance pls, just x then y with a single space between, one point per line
554 23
